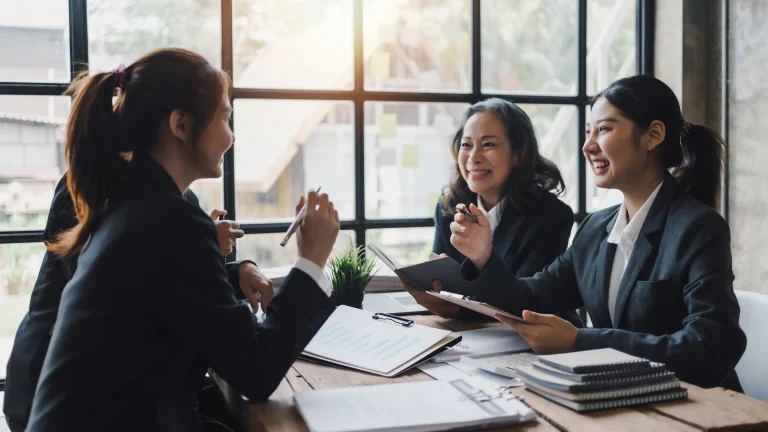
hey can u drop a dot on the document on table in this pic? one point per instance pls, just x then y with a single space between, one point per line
491 340
414 406
351 337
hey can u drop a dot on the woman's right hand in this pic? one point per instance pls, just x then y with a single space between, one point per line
473 240
318 229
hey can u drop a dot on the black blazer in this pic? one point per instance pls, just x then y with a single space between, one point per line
140 321
675 303
527 244
34 333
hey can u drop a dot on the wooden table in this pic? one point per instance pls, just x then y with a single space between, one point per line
704 410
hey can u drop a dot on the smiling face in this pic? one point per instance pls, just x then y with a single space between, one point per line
614 149
485 156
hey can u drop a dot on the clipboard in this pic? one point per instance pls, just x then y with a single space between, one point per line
480 307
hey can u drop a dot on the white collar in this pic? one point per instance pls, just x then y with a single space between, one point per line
632 229
494 215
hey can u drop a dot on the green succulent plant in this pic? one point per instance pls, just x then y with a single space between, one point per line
350 271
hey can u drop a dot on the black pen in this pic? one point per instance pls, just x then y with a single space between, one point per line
405 322
460 208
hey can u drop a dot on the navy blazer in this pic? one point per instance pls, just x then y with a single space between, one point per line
140 321
527 242
34 333
675 304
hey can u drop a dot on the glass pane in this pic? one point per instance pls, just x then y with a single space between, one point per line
210 193
121 31
529 46
265 250
35 41
293 44
417 45
19 265
31 158
408 159
404 245
555 126
286 147
611 42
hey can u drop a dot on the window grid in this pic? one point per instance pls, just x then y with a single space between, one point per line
358 96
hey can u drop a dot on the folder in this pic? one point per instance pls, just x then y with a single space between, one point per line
479 307
421 275
466 404
352 338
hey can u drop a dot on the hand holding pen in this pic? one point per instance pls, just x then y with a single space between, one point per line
471 234
317 228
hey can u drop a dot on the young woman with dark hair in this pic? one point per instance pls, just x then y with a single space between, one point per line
141 322
654 273
500 169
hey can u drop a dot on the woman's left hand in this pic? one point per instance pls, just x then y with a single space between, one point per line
549 334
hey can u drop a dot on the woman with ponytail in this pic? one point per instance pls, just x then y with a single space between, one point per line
654 273
141 322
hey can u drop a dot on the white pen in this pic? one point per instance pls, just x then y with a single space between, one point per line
296 222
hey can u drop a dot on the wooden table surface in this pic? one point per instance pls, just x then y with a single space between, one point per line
704 410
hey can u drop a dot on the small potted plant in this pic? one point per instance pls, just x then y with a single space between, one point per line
350 271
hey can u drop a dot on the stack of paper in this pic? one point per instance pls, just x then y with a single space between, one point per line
351 338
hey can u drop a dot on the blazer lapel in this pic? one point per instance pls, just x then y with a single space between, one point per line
603 267
506 231
643 249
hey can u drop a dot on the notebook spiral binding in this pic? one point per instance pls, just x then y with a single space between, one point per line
630 391
615 367
639 400
657 377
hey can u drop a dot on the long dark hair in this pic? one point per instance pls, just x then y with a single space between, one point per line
100 130
533 175
693 153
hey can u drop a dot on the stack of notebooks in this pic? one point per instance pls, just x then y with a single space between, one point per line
600 379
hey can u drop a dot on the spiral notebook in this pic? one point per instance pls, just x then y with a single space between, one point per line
668 395
654 368
593 361
607 394
530 374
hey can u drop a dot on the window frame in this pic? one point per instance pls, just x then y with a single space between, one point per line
78 22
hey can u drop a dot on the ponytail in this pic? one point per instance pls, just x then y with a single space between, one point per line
100 130
702 163
95 166
693 153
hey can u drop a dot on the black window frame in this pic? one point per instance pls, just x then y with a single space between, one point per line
78 27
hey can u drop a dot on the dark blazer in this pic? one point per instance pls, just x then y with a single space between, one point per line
526 244
34 333
141 321
675 303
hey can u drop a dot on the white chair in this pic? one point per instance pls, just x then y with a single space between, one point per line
752 366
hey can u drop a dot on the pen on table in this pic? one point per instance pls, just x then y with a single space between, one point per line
405 322
296 222
463 210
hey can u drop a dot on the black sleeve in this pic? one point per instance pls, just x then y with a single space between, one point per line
552 290
200 308
549 241
710 344
439 244
233 276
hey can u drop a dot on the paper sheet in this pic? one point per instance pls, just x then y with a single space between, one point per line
410 156
380 65
350 335
388 125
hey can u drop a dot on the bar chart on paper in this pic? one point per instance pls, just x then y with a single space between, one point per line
350 336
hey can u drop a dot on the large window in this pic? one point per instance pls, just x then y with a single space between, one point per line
360 97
